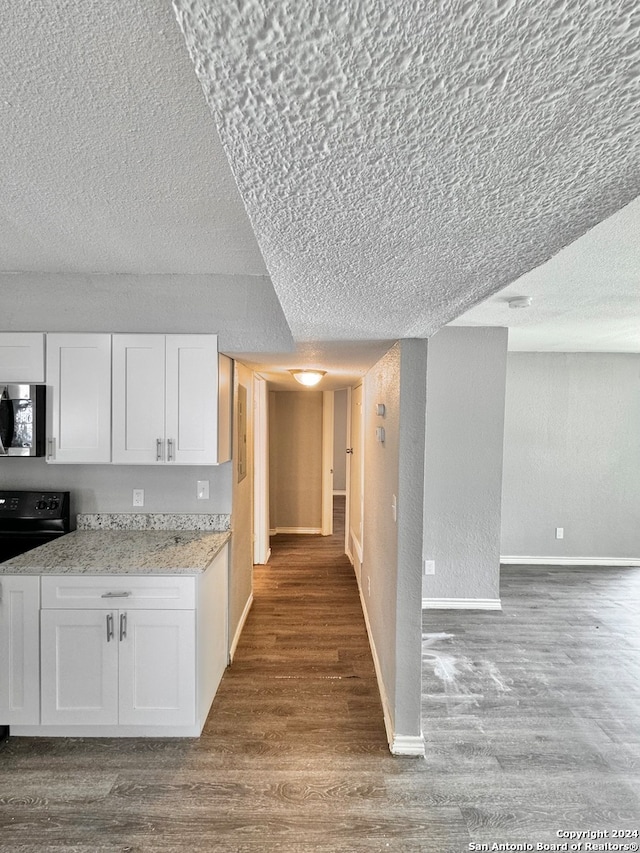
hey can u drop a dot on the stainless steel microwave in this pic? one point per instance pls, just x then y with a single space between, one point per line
22 420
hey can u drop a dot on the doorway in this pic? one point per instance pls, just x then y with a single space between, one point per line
302 449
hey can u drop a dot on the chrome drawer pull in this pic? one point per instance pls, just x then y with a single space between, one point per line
109 627
115 595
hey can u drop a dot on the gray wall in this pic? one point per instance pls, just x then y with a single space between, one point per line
392 550
243 310
109 488
463 467
572 455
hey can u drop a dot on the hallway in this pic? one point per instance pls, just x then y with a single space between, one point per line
293 757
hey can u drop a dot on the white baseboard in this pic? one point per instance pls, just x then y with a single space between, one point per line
303 530
243 619
461 604
407 745
569 561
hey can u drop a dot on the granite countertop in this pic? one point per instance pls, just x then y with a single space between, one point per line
135 552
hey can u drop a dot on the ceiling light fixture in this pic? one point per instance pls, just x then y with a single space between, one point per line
519 302
308 377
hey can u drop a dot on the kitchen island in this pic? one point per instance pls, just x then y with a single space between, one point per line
112 631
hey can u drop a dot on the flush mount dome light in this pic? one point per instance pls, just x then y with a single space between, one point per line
307 377
519 302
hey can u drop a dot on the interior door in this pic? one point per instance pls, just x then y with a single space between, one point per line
355 480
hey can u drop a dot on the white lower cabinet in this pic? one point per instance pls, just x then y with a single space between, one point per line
112 655
118 667
19 650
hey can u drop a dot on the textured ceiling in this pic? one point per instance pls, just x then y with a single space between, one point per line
585 299
110 160
397 162
402 160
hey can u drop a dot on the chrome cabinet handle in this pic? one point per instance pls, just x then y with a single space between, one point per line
123 626
159 443
109 627
51 448
170 453
115 595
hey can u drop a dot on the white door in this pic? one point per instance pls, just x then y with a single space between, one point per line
191 424
79 406
138 399
20 650
157 667
79 653
355 480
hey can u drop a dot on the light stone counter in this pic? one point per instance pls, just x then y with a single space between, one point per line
139 552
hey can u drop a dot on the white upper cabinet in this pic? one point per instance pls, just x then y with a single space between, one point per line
79 410
165 399
22 357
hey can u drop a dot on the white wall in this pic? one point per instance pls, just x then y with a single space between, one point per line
572 456
392 550
463 468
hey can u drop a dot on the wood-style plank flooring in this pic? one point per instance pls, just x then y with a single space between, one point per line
530 715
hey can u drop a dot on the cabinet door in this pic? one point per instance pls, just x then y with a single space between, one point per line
192 399
79 653
157 667
138 399
21 357
19 650
79 373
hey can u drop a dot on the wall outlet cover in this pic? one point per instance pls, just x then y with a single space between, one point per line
429 567
138 497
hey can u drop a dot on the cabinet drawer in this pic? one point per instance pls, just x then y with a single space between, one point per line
109 592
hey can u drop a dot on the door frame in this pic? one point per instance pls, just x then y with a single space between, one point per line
261 546
327 462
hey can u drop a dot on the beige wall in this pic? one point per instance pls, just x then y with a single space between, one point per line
295 459
241 572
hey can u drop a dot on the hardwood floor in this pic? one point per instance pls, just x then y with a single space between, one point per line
530 715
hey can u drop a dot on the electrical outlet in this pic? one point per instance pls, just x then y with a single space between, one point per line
559 532
138 497
203 490
429 567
